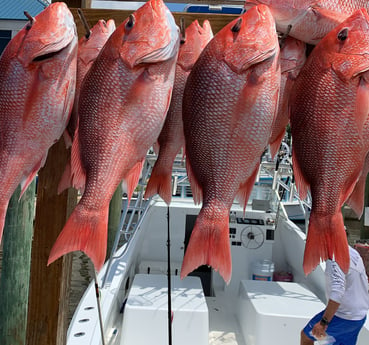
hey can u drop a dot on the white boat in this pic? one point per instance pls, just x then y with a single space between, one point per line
132 308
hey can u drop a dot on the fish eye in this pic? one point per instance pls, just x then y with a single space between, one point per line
131 22
343 34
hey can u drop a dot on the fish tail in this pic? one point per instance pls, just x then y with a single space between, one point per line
326 239
209 244
86 231
160 182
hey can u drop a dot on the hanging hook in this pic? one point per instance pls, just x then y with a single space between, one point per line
84 22
183 30
237 26
30 18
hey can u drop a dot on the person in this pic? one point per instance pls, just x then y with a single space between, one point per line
347 307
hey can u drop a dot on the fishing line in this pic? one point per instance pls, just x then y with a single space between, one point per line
169 285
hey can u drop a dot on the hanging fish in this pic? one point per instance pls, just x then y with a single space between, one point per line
122 107
37 85
329 109
229 105
171 138
89 47
311 20
293 57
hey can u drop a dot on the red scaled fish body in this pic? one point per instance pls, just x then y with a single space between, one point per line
229 105
292 59
171 138
37 85
311 20
88 49
123 102
329 114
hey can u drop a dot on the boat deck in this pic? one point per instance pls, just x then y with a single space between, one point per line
223 325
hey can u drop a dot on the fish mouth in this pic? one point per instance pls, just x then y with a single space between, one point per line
167 52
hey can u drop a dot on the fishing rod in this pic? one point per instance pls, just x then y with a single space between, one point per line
97 291
169 285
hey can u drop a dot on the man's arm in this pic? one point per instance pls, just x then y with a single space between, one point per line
320 327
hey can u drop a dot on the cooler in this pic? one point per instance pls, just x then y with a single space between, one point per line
275 312
146 312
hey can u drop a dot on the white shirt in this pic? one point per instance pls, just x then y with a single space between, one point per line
350 290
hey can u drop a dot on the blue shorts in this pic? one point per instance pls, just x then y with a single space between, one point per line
344 331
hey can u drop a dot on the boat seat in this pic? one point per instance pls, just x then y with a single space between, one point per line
145 318
271 312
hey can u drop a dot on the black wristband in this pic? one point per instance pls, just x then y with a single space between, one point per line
324 321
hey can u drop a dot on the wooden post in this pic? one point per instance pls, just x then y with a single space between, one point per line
49 286
14 282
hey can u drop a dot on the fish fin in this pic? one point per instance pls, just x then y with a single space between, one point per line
301 184
356 199
86 231
245 189
160 182
195 187
131 180
326 239
3 210
276 144
28 179
209 244
156 147
67 139
66 179
78 175
362 104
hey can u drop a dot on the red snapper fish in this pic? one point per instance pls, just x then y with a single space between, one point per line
229 105
293 57
329 109
37 85
122 107
89 47
171 138
311 20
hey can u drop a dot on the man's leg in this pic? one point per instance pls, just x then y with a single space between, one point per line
305 340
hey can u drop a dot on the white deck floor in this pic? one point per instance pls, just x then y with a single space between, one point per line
223 325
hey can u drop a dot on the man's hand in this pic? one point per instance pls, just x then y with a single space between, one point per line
318 330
